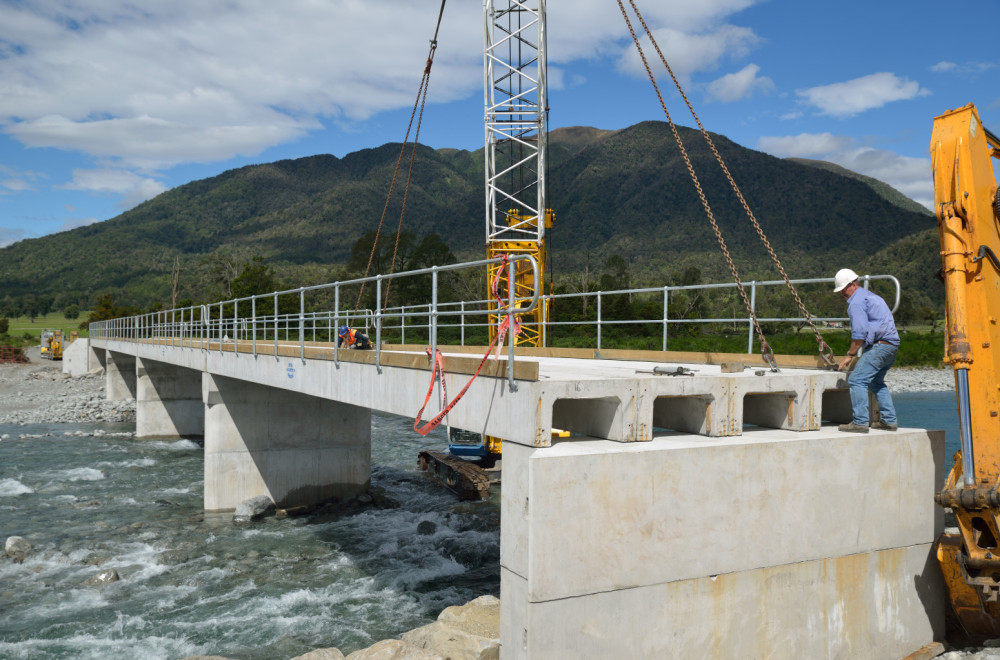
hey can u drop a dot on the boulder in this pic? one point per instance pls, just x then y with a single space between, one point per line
453 643
253 509
394 649
17 548
477 617
321 654
107 576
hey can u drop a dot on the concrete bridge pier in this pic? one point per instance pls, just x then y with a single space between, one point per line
295 448
168 401
119 369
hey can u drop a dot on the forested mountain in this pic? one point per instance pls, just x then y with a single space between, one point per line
624 192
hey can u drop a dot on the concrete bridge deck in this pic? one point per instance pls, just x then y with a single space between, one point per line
717 514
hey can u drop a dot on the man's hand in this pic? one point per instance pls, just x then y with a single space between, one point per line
843 363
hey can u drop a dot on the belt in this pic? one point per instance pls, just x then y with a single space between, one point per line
882 341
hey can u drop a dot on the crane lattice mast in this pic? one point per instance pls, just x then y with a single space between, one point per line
516 107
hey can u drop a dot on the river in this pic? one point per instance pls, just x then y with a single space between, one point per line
194 583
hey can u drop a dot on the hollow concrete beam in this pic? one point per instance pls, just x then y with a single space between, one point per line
294 448
168 401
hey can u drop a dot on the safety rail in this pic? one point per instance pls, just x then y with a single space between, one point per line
206 324
421 311
245 320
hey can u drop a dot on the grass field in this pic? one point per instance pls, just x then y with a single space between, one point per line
24 332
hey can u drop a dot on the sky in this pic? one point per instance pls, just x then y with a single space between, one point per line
107 103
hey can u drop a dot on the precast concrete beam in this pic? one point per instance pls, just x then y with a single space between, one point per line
832 523
120 373
168 401
296 449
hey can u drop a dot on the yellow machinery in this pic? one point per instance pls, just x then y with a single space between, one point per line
531 324
967 207
51 347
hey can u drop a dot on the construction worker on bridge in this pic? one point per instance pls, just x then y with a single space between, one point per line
353 339
874 330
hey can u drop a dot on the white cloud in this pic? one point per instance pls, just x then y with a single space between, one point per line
941 67
73 223
910 176
133 188
742 84
689 53
804 145
9 236
855 96
15 181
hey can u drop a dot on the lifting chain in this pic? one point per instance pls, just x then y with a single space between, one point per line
825 352
420 101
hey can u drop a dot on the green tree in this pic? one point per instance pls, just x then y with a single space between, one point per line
29 306
72 312
4 325
255 278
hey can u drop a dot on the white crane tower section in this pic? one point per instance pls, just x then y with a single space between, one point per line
516 106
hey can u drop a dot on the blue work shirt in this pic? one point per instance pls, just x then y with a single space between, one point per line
871 320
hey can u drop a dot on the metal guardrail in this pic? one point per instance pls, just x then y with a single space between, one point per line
419 311
244 319
205 324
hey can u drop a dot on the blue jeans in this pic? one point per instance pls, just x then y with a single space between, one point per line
869 375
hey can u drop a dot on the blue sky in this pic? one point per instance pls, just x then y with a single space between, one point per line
106 103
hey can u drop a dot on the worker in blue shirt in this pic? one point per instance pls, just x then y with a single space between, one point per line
874 330
353 339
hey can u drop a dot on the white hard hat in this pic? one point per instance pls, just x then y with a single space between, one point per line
843 277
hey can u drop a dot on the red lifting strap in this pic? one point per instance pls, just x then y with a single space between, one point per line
438 369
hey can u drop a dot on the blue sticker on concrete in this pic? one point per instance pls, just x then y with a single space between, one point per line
291 370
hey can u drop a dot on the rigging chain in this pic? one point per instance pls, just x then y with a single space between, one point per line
420 101
826 353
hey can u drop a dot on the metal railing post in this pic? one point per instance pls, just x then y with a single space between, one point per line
753 312
378 323
434 312
302 324
336 325
510 326
666 303
598 320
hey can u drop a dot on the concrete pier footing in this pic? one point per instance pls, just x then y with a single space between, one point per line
295 448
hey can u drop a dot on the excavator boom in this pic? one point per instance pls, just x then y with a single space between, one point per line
968 214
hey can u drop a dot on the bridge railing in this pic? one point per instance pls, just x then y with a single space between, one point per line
262 320
410 316
281 318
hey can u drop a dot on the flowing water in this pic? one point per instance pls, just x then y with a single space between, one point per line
194 583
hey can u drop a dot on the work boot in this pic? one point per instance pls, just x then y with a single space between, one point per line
852 428
882 426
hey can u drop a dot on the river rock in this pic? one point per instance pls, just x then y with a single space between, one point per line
253 509
321 654
17 548
452 643
394 649
107 576
479 617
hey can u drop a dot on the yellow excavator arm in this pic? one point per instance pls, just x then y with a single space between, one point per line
967 207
